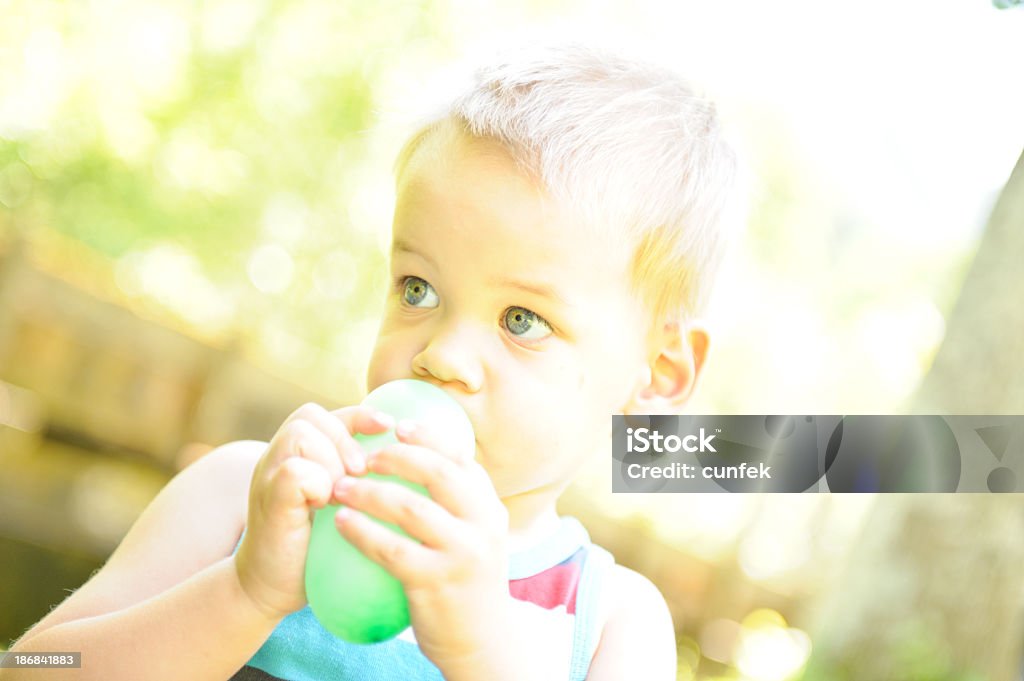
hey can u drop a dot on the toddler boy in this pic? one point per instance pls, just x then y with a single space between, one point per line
555 235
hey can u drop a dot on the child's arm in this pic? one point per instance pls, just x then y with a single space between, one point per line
638 640
172 602
204 628
168 603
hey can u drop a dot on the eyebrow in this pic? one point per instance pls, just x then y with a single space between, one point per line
537 289
400 245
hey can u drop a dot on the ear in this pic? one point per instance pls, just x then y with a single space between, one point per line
678 355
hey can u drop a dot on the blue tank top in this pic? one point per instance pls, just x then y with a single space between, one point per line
564 573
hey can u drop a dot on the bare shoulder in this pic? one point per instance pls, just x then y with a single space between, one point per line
638 639
193 522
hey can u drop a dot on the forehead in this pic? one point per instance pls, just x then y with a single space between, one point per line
468 193
470 183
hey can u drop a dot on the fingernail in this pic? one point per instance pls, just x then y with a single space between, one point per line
377 465
406 428
383 419
343 485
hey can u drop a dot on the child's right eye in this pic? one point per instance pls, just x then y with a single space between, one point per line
418 293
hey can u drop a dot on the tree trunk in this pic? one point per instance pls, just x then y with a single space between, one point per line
979 368
935 587
932 591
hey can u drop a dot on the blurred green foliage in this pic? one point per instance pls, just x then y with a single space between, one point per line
218 127
915 655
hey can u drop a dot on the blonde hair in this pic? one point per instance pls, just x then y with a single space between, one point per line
628 145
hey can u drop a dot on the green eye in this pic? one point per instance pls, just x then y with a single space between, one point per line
419 293
524 324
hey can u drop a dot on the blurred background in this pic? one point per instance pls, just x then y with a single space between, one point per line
194 210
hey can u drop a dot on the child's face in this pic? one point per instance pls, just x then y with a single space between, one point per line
502 299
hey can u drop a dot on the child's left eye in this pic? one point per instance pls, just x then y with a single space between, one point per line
523 323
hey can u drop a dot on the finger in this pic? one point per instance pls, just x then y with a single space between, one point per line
348 450
418 515
302 439
459 488
283 443
428 435
402 557
297 482
360 418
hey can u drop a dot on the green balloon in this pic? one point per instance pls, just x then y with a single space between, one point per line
353 597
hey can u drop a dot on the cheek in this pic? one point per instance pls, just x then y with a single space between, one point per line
567 408
602 394
540 408
391 358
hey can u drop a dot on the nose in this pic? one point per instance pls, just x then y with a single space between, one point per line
452 355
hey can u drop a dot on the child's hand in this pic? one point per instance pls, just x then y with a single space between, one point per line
457 579
311 451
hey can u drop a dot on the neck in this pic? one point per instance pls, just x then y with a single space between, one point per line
531 517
